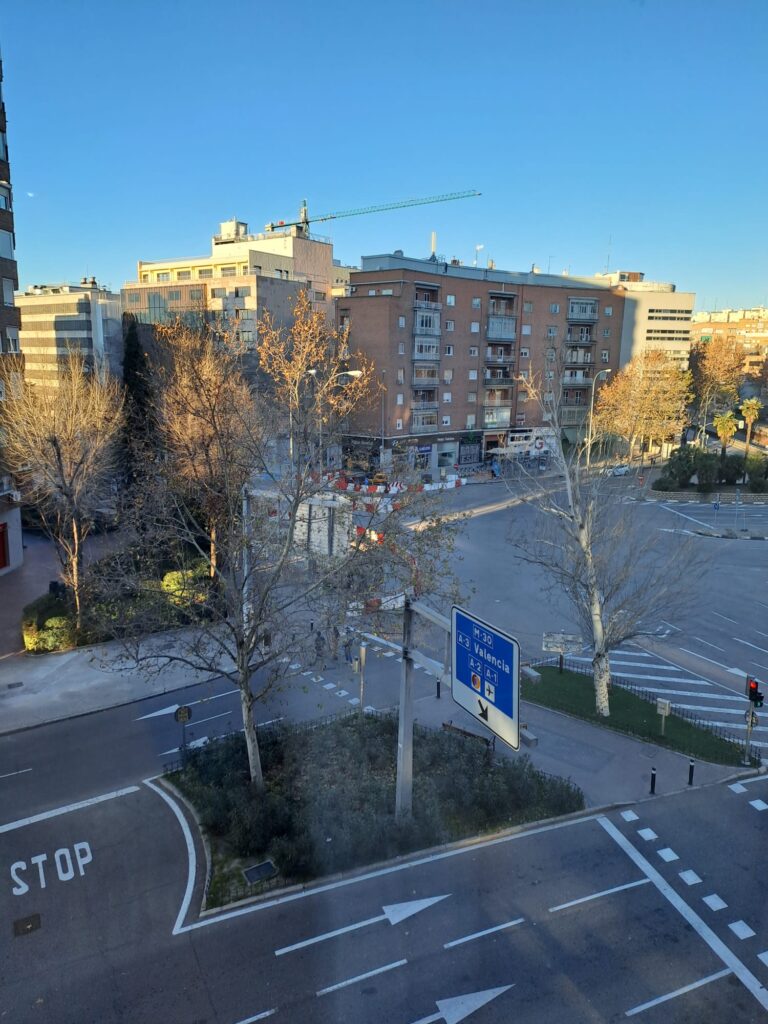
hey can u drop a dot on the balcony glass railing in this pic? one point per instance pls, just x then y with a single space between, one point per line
423 406
424 426
579 339
501 328
496 417
425 382
581 313
427 304
426 352
429 331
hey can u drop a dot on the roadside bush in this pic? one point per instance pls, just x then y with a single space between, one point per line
46 625
663 483
732 469
681 467
707 471
187 587
758 485
757 467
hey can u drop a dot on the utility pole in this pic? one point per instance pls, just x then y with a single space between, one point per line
404 792
363 649
383 398
591 411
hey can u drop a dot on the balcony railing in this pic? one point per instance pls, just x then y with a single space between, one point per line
427 332
577 382
500 403
579 339
501 328
579 359
424 304
572 415
500 382
499 360
423 352
580 316
424 406
419 427
496 417
425 382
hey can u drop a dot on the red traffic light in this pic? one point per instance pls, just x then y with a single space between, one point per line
753 691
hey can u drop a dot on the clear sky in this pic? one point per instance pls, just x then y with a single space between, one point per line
622 132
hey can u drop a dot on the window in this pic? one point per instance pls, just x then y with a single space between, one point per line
387 291
401 348
398 424
218 293
549 396
133 298
205 272
473 350
3 146
608 311
400 376
551 332
247 337
475 303
7 291
550 355
524 374
449 325
606 332
371 291
473 374
401 322
399 400
195 294
554 307
527 307
446 421
550 374
525 329
522 396
145 277
447 376
446 398
164 275
242 292
183 275
448 350
13 339
244 270
174 295
471 419
2 391
474 327
525 353
5 198
604 356
228 271
450 300
471 396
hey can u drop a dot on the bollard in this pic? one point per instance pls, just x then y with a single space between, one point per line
690 772
653 781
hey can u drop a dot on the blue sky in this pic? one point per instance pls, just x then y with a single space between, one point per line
629 131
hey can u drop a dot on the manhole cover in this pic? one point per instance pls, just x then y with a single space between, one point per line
259 872
14 686
25 925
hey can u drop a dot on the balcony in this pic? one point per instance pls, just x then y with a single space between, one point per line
496 417
570 417
424 330
424 426
426 350
579 339
424 304
498 381
580 312
579 358
497 403
425 382
424 406
501 328
578 380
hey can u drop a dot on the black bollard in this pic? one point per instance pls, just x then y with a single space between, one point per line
690 772
653 781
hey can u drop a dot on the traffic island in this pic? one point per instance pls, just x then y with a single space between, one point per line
329 799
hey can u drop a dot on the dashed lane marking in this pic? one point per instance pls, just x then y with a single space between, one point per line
759 805
361 977
486 931
714 902
647 834
11 826
678 992
597 895
629 816
668 855
690 877
741 929
737 787
21 771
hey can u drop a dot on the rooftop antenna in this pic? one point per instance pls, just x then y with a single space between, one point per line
477 250
608 255
434 244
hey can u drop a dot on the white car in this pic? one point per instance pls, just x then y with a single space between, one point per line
620 470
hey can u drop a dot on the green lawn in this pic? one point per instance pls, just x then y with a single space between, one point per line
574 693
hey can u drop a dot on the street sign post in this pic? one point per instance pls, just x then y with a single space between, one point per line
485 672
663 708
183 714
561 643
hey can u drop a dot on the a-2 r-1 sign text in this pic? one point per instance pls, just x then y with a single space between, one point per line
66 862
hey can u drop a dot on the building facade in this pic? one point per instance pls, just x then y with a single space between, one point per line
11 549
58 319
747 326
453 346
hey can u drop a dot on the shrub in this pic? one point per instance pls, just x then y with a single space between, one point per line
707 471
732 469
758 484
46 625
186 587
663 483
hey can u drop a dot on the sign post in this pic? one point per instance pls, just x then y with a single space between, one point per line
183 714
485 674
561 644
663 708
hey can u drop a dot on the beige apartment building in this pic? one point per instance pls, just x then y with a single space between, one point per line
448 342
61 318
749 327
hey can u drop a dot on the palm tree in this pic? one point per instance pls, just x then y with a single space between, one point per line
726 426
750 410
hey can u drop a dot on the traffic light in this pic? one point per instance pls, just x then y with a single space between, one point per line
753 692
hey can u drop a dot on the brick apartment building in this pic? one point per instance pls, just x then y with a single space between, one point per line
448 341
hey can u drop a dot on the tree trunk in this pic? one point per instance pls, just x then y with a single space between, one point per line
247 701
213 552
602 672
76 570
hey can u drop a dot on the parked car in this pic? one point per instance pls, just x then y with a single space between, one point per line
620 470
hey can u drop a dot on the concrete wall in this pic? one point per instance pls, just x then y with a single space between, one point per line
10 515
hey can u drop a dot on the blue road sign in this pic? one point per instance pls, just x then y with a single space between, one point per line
485 664
716 506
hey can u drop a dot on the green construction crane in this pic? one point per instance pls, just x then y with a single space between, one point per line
305 220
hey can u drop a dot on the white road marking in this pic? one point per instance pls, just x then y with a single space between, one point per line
691 518
757 778
691 693
361 977
199 721
678 992
737 787
714 902
629 816
11 826
486 931
741 929
259 1016
748 644
719 664
734 621
353 700
174 707
718 947
670 625
295 666
708 644
389 654
329 686
668 855
666 679
647 834
178 927
192 745
759 805
690 877
597 895
763 957
11 774
710 709
457 1009
309 672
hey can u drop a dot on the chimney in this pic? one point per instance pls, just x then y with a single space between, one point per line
93 283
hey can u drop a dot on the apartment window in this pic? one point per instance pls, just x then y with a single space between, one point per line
12 334
5 198
448 350
520 419
398 424
446 398
399 400
387 291
164 275
133 298
471 396
550 355
550 374
524 374
450 300
3 146
183 275
7 291
195 294
549 396
145 277
247 337
228 271
174 295
522 396
205 272
604 355
475 303
449 325
606 332
473 350
474 327
242 292
244 269
551 332
525 329
473 374
448 376
554 307
401 348
525 353
400 376
401 321
445 421
527 307
608 311
471 419
218 293
371 291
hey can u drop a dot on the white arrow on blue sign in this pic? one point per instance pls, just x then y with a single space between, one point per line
485 665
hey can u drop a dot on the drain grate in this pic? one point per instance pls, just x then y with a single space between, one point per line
25 925
259 872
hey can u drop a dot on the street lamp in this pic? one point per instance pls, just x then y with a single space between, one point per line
383 396
314 374
591 411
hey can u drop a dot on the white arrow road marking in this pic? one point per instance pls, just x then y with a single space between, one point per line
457 1009
174 707
395 913
204 739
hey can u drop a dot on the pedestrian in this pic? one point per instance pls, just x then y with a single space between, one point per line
335 642
320 649
348 650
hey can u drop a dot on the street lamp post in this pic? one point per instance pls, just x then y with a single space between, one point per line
314 374
383 396
591 411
